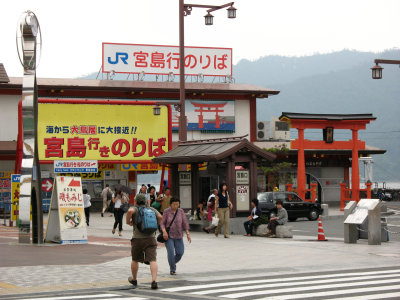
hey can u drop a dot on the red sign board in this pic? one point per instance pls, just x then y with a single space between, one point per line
47 185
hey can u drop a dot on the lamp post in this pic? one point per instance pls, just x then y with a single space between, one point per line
185 10
377 69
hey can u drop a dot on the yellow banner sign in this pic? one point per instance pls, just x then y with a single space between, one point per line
101 132
141 167
15 178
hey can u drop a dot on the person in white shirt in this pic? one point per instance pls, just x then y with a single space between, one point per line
212 196
86 204
143 190
118 198
255 214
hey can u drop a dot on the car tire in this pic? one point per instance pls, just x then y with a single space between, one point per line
313 215
292 219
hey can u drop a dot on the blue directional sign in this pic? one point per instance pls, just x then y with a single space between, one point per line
76 166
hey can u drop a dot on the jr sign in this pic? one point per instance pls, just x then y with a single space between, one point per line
155 59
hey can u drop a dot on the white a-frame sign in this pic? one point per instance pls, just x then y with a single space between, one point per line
66 223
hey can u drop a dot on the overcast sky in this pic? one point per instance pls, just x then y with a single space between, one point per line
73 31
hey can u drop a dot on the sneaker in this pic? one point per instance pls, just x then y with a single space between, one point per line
133 282
154 285
172 273
113 231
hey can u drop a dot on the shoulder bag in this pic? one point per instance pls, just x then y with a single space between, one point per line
160 237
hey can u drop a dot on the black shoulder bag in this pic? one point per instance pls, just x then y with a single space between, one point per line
160 237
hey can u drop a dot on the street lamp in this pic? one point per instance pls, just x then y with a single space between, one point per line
377 69
185 10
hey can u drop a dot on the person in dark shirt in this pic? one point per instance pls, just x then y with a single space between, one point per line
223 205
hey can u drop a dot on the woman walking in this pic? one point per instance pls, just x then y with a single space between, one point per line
173 224
118 199
222 208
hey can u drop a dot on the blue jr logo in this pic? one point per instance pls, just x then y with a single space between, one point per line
119 55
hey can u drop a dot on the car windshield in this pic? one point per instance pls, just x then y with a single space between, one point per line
264 197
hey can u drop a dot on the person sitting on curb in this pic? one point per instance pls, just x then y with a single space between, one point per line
255 213
280 219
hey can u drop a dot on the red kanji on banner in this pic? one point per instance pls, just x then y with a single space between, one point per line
93 142
135 143
158 147
76 147
54 147
104 151
157 60
118 146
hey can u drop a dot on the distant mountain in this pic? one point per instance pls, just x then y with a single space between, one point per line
338 82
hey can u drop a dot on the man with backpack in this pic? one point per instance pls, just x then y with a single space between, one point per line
145 221
106 194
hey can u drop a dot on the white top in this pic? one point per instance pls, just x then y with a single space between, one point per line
86 201
118 201
253 212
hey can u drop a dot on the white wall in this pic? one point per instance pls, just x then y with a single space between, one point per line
9 117
329 179
242 125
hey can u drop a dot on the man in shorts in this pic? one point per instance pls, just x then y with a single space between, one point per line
106 194
144 246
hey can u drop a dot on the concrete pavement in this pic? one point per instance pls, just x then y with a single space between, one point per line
105 261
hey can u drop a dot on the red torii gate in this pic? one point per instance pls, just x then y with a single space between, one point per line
328 122
211 107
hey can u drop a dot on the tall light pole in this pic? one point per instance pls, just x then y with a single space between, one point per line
29 44
185 10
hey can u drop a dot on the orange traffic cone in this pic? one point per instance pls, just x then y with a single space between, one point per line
321 234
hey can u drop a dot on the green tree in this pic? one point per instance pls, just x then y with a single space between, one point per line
275 171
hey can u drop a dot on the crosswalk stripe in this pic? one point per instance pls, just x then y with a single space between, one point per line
374 296
97 296
291 284
252 282
344 292
307 288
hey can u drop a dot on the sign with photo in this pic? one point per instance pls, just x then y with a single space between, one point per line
242 177
242 197
67 222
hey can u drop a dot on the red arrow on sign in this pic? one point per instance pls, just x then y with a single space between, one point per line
47 185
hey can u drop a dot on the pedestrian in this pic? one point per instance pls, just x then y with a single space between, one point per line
174 219
155 201
165 200
143 191
106 194
148 188
143 245
152 195
118 199
280 219
254 215
223 205
86 204
210 214
214 193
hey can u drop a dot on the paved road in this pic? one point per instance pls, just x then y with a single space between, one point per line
372 283
333 227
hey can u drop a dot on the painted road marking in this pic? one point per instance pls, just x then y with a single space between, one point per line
97 296
252 282
308 288
292 283
381 295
